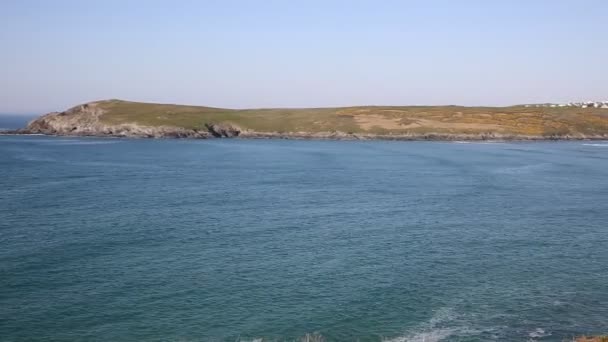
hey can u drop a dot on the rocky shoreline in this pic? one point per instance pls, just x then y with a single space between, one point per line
180 133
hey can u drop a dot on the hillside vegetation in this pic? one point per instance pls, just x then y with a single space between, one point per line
516 120
135 119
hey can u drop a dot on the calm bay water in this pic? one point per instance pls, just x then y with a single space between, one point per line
181 240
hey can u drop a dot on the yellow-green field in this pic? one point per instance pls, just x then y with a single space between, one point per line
515 120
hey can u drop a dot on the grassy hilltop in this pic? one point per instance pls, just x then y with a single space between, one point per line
516 120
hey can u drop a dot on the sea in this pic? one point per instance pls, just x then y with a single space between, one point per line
14 121
108 239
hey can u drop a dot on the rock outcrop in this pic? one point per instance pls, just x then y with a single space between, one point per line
223 130
84 120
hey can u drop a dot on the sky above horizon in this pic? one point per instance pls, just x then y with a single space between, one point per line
314 53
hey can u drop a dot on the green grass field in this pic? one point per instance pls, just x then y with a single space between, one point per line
516 120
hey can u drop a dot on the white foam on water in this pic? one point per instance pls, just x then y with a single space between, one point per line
425 336
596 145
530 168
436 329
35 158
81 142
538 333
490 142
64 141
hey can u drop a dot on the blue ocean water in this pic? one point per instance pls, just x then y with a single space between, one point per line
241 240
14 121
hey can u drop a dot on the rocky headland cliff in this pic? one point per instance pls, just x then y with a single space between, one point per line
144 120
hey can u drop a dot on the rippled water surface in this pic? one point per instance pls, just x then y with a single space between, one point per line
13 121
181 240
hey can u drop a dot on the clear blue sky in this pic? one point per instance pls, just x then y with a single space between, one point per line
55 54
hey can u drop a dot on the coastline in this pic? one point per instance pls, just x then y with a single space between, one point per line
338 136
116 118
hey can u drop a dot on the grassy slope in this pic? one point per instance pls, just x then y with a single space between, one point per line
373 119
